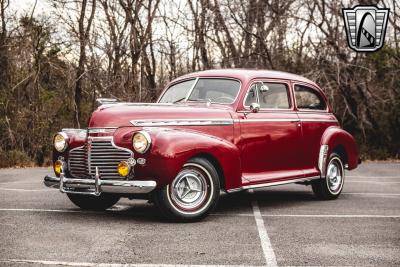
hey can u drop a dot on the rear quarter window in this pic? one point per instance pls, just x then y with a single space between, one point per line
308 98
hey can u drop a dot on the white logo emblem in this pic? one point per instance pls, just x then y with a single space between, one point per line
132 161
365 27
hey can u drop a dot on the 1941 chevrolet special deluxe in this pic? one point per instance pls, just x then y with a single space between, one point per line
213 130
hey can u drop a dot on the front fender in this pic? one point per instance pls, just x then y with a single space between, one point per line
335 138
172 148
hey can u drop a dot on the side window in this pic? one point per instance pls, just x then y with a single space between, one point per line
308 98
274 95
269 95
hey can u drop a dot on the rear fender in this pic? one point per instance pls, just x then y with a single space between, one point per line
335 138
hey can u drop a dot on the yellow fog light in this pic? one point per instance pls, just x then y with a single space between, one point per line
123 168
58 167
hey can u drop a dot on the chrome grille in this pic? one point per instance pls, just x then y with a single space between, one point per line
101 153
78 162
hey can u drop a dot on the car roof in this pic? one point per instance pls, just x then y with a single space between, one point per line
247 74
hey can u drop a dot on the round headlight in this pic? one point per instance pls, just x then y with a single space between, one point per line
60 141
141 142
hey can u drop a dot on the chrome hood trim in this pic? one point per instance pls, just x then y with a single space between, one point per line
182 122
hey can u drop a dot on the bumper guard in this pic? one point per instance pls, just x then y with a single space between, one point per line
96 186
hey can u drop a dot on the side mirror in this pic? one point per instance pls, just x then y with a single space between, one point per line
254 107
264 88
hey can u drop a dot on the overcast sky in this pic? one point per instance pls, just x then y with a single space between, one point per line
42 6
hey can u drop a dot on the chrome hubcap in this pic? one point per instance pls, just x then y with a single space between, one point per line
334 176
189 189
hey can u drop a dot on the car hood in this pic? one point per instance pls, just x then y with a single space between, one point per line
121 114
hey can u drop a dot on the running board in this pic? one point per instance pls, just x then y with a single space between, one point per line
299 180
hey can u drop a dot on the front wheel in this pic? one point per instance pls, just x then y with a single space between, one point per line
88 202
331 186
192 194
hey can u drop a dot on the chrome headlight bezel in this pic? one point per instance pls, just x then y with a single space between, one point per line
65 142
146 137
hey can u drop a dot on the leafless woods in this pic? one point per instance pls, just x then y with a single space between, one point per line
53 65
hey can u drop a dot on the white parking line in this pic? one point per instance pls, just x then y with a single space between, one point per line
373 194
332 215
19 182
113 209
49 210
123 208
27 190
371 182
268 251
373 177
310 215
90 264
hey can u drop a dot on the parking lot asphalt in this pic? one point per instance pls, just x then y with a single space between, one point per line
283 226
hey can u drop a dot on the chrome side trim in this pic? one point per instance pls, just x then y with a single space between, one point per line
303 179
283 120
182 122
200 122
270 120
323 154
318 120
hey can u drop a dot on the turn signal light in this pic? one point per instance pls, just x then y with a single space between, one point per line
58 167
123 168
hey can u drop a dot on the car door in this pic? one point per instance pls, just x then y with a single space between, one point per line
315 117
270 139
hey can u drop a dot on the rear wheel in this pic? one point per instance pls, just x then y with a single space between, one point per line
88 202
331 186
192 194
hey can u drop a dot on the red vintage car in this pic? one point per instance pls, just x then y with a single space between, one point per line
213 130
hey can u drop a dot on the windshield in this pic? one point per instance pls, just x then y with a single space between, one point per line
215 90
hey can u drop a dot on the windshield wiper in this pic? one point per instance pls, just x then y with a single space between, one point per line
179 100
199 100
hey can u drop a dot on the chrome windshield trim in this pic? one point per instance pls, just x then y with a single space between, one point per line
196 79
182 122
191 89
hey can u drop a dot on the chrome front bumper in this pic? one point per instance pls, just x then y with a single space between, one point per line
97 186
